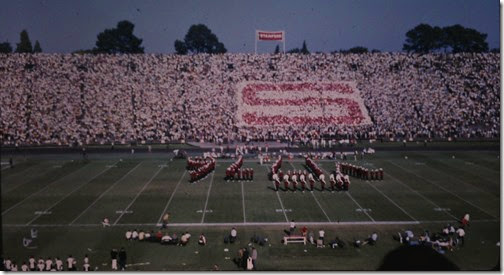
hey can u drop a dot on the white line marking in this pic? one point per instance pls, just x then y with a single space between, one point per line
243 203
67 195
315 198
207 197
492 196
47 186
279 199
441 187
103 194
138 195
24 172
419 194
256 223
171 197
391 200
350 196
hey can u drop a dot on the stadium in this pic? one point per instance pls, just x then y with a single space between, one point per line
236 161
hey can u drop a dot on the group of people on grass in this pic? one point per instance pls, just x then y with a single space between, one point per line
47 264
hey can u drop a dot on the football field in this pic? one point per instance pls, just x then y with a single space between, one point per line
66 198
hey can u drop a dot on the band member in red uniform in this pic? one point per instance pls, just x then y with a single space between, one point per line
339 180
380 173
294 178
252 174
245 174
322 181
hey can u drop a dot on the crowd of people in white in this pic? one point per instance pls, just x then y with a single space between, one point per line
71 99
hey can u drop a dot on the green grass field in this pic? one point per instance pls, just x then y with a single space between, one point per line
66 200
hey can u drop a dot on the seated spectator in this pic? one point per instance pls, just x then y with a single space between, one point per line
134 235
159 235
105 222
202 239
371 240
337 243
166 239
233 235
128 235
184 239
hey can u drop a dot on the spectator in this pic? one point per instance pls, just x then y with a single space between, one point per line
122 259
113 258
233 235
184 239
202 239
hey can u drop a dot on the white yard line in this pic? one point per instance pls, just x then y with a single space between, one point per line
138 195
279 199
419 194
243 203
492 196
104 192
207 197
441 187
350 196
255 223
73 191
171 197
405 212
47 186
315 198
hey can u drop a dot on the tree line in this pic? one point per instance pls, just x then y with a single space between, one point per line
423 38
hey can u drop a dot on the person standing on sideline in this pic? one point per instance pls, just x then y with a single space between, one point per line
166 217
465 220
113 257
292 227
122 259
254 257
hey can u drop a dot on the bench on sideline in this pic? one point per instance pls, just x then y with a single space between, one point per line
294 239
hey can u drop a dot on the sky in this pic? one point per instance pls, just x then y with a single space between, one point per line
63 26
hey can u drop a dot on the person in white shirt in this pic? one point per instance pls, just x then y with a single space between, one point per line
134 235
184 239
14 266
70 263
128 235
41 265
166 239
141 235
292 227
321 235
202 239
7 264
31 263
106 222
59 264
460 236
24 267
48 264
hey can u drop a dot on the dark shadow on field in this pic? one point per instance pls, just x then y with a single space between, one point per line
271 188
416 258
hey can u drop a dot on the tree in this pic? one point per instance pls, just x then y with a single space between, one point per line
295 50
24 45
37 48
5 47
423 39
119 40
304 49
277 49
180 47
199 39
461 39
357 49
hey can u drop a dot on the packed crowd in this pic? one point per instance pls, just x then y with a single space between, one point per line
72 99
